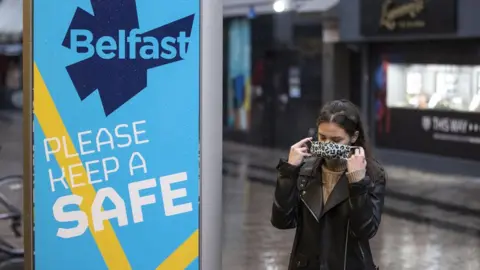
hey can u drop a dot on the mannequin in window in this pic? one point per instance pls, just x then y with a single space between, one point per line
422 101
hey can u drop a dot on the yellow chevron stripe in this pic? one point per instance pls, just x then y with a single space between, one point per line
183 256
52 125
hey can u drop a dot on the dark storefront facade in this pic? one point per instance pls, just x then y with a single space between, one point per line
422 72
10 55
272 78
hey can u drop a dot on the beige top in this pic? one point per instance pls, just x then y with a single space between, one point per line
332 170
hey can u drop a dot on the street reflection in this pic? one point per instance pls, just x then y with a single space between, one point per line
408 248
269 260
433 252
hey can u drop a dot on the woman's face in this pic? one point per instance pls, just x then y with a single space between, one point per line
331 132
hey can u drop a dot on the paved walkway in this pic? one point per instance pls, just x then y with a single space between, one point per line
431 221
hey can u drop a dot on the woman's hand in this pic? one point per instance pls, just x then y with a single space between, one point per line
298 152
357 161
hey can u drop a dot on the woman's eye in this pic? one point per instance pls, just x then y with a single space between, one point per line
322 138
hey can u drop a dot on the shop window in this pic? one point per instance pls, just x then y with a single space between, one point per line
433 86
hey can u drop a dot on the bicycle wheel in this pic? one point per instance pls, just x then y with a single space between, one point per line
13 264
11 191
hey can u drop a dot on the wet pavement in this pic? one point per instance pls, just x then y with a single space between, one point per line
431 221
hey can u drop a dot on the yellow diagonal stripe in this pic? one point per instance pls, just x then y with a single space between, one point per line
52 125
183 256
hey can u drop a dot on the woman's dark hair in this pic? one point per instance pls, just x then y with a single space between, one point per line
345 114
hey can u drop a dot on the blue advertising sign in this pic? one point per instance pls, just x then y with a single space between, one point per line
116 134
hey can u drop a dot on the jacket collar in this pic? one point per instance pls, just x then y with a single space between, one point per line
312 194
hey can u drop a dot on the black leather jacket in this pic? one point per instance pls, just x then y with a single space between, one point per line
334 236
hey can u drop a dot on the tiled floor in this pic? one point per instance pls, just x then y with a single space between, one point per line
430 221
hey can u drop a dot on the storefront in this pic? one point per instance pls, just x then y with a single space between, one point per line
238 74
272 77
422 73
11 26
427 98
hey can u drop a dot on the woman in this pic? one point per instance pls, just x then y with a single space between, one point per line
334 198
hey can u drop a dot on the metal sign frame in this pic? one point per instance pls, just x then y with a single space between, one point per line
210 209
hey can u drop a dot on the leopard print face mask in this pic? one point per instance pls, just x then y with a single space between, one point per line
330 150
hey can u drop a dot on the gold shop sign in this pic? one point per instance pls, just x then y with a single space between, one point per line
402 16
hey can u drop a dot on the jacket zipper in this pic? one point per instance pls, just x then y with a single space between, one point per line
309 209
361 251
346 247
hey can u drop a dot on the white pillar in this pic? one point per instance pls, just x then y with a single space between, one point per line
211 135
